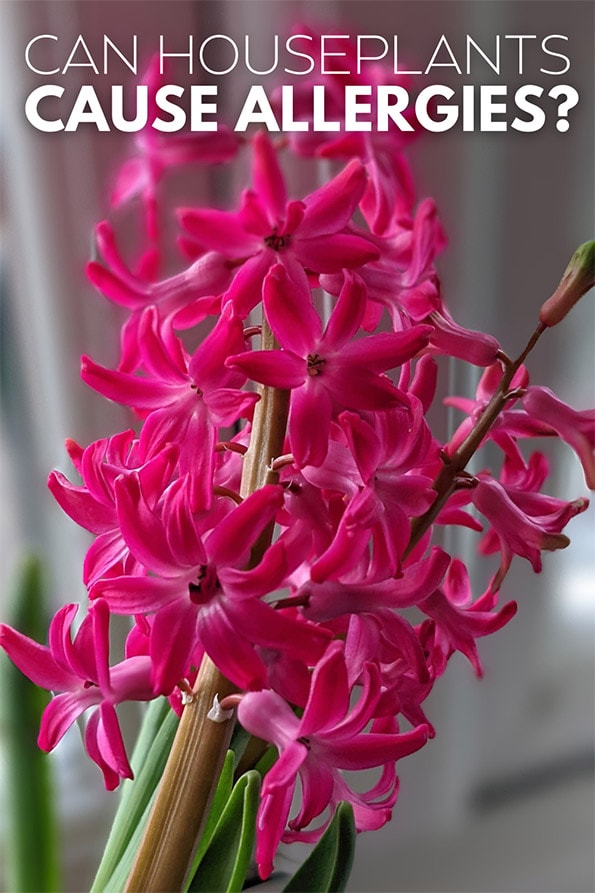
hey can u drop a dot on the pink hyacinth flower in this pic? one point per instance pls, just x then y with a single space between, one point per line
392 493
156 153
79 670
328 738
199 590
310 235
182 300
326 371
186 399
93 505
459 621
575 427
519 532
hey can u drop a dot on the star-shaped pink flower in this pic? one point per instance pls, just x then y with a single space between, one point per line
326 370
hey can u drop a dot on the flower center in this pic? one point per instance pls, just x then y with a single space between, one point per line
315 364
277 242
195 387
206 587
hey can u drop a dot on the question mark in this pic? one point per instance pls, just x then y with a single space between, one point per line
571 99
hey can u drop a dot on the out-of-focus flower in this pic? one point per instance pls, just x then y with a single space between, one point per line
575 427
308 235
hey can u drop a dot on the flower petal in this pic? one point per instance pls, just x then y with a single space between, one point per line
309 443
266 715
81 506
36 661
387 350
231 540
174 636
138 595
329 694
375 749
220 231
332 254
289 310
267 177
347 314
277 368
131 390
331 207
60 714
142 530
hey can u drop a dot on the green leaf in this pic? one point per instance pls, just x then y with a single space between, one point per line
222 795
327 868
31 822
148 761
227 858
116 882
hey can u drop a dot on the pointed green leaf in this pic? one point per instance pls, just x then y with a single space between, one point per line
222 795
227 858
148 761
31 823
327 868
116 882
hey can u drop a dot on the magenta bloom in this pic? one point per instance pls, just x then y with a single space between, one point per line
328 738
181 300
575 427
524 525
326 371
79 669
93 505
186 399
458 620
390 495
200 592
157 152
310 235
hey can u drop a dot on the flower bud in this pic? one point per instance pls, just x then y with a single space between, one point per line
578 278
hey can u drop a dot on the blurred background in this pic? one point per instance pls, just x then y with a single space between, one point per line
502 799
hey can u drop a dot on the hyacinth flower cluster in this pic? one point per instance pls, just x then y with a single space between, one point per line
276 512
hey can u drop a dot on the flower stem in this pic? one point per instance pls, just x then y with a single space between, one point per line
192 771
446 480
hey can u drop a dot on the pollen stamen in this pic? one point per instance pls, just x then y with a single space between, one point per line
315 364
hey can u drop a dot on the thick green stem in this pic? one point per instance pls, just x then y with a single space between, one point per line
446 482
194 765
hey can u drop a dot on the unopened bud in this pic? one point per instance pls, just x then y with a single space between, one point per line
578 278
